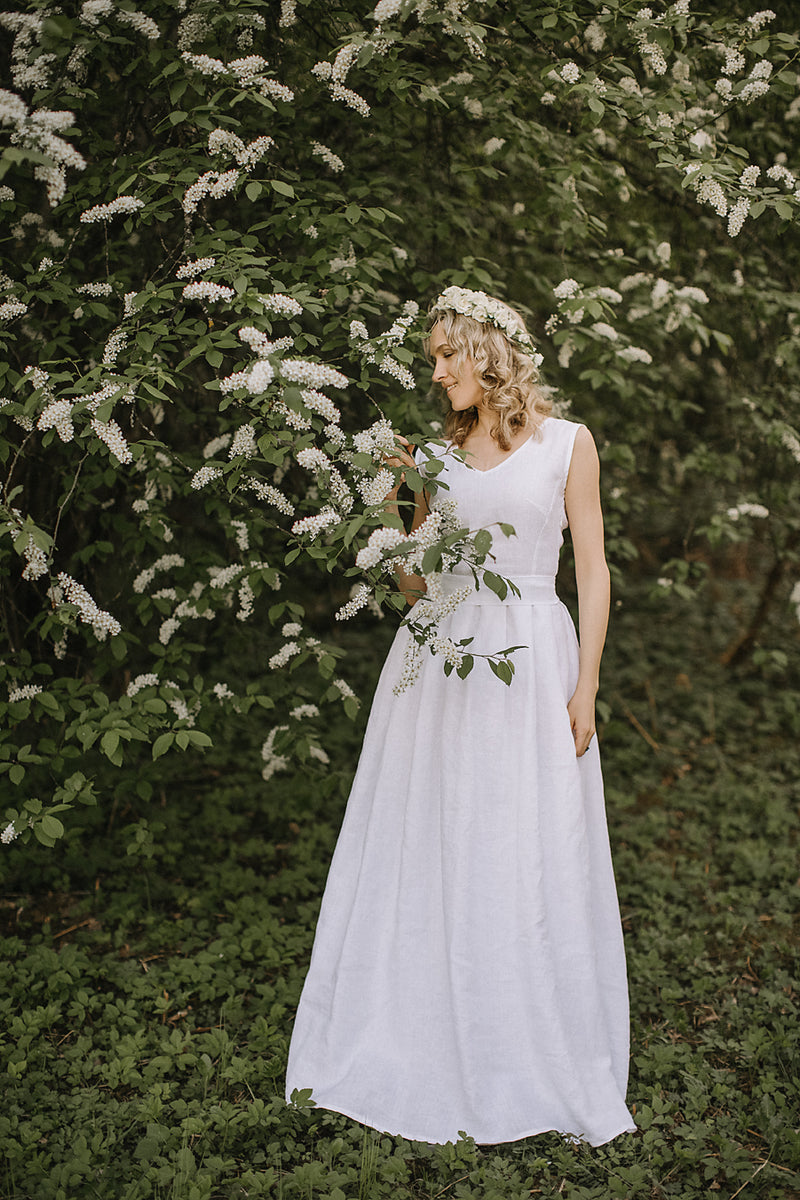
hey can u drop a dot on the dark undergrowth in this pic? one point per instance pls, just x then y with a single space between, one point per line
151 963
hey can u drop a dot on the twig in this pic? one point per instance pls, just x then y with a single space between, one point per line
72 928
453 1184
750 1180
637 725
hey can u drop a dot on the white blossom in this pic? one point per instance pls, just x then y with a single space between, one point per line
266 491
745 509
286 306
344 690
36 560
567 289
330 159
205 475
284 655
110 433
58 415
570 72
380 541
359 597
25 691
213 183
317 523
385 9
216 444
101 621
350 98
203 290
634 354
595 36
374 491
246 597
244 442
9 833
141 681
95 289
104 212
116 343
195 267
749 176
737 215
12 308
602 329
314 375
390 366
288 16
781 174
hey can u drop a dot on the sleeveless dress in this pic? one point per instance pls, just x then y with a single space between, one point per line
468 971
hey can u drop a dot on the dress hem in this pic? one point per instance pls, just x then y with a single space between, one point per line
568 1135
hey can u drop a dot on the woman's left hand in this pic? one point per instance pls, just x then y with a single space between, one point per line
581 716
403 457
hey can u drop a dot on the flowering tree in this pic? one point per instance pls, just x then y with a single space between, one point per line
218 215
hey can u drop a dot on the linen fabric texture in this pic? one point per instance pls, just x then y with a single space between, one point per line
468 971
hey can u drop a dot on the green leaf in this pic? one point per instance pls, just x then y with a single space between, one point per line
283 189
109 743
52 826
482 542
431 560
253 190
495 583
163 743
503 671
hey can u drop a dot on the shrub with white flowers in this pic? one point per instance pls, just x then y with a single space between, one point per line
176 310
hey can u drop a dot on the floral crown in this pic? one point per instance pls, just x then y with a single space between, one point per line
486 309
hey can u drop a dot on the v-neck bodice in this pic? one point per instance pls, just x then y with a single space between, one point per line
526 490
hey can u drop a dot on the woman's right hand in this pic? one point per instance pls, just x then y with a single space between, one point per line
403 456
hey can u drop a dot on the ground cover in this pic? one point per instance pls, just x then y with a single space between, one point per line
151 962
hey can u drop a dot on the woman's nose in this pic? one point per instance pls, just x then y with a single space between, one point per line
439 373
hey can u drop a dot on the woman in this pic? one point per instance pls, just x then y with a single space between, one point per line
468 973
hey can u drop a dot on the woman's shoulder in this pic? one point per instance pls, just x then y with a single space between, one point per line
562 430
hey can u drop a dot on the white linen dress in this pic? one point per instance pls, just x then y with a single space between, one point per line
468 971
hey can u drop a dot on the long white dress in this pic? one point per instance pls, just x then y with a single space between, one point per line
468 971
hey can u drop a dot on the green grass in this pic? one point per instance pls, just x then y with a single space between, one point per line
152 962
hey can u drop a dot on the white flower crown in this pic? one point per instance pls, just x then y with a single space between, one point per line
485 308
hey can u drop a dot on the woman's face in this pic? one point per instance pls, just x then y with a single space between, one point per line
463 389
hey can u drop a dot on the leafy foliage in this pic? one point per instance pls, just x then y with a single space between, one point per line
201 200
151 966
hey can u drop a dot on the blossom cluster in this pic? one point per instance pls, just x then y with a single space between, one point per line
248 72
331 160
312 374
72 592
25 691
225 141
37 130
92 13
746 509
195 267
317 523
104 212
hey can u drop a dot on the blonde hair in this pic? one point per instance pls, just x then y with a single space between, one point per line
508 375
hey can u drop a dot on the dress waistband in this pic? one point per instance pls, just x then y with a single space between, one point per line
534 589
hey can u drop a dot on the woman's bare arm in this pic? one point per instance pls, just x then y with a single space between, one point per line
585 518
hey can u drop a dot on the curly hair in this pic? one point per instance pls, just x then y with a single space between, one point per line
508 376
